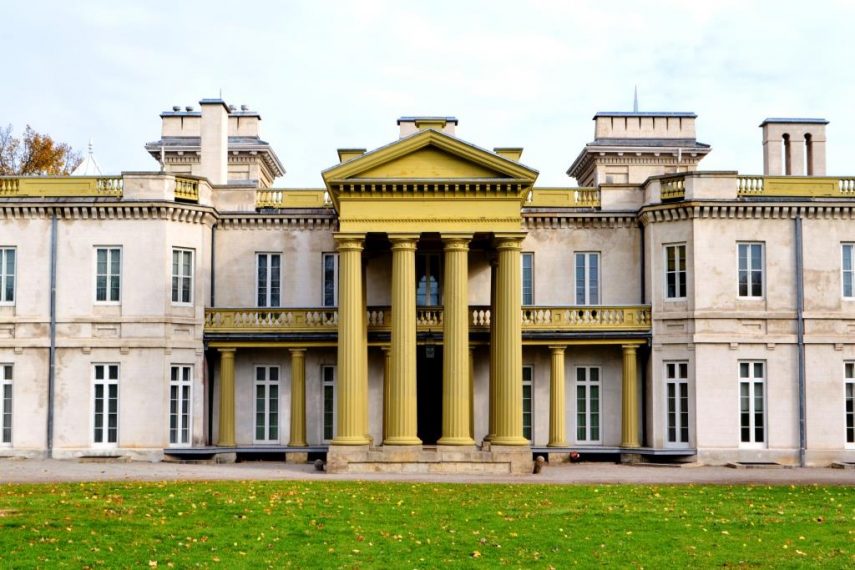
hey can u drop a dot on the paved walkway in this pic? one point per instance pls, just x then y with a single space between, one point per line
51 471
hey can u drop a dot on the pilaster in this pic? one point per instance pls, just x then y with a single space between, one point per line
298 398
455 361
402 422
557 426
227 398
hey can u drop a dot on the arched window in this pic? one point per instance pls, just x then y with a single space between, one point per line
808 154
788 164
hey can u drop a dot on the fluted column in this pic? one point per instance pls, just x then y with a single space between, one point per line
298 398
352 383
491 388
402 425
472 392
557 429
629 398
227 398
509 343
455 331
387 384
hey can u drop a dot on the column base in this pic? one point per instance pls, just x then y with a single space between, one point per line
456 441
509 440
402 440
631 458
296 457
557 444
350 440
297 444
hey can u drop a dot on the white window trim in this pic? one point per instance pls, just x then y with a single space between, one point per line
846 444
334 403
192 277
335 257
587 286
95 274
190 407
14 277
522 278
685 271
106 382
269 274
267 383
4 382
752 444
587 383
843 246
665 363
763 273
531 384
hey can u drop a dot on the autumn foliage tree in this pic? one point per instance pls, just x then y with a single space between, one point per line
35 154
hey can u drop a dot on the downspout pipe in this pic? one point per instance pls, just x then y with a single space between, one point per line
800 330
52 353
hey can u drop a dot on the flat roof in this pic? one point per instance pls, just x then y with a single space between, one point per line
803 120
682 114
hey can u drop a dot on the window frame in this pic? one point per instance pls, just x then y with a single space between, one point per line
523 256
739 270
10 413
530 384
586 302
4 276
752 380
268 384
334 256
587 384
676 272
331 384
850 272
848 416
678 380
269 289
180 427
180 276
109 275
106 381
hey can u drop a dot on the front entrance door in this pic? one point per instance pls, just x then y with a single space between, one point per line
429 388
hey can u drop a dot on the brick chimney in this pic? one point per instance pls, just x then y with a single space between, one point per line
215 141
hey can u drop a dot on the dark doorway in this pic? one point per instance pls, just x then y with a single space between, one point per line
429 393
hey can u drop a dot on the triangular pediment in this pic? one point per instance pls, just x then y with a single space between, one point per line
427 155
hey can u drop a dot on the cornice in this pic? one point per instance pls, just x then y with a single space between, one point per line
747 210
560 220
308 220
166 211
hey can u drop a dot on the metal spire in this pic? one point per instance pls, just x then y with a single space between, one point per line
635 101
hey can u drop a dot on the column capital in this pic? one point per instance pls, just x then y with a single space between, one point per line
297 351
227 351
629 347
349 242
453 238
403 242
509 240
558 349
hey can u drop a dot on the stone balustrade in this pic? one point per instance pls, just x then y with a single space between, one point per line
60 186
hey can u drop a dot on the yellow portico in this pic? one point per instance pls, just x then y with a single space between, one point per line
429 187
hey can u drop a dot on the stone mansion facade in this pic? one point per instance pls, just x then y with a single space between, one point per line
430 308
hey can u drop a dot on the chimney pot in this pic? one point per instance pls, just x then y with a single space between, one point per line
244 107
188 108
176 107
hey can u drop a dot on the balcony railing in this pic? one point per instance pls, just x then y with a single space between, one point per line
796 186
558 319
60 186
564 198
186 189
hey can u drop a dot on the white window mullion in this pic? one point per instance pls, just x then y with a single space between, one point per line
588 405
269 279
180 404
587 278
8 263
5 404
328 401
330 279
266 404
847 271
752 404
182 276
105 419
849 402
528 401
677 404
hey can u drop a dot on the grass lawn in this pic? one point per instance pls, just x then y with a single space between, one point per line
398 525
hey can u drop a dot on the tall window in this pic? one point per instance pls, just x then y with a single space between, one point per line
106 404
428 280
750 269
527 278
849 390
675 271
180 383
266 404
108 271
6 390
182 276
677 402
588 278
587 404
527 376
269 278
847 271
7 275
752 403
330 261
328 386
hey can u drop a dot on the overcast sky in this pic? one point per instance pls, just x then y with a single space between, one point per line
326 75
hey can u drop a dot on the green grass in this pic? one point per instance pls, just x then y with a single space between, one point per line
374 525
